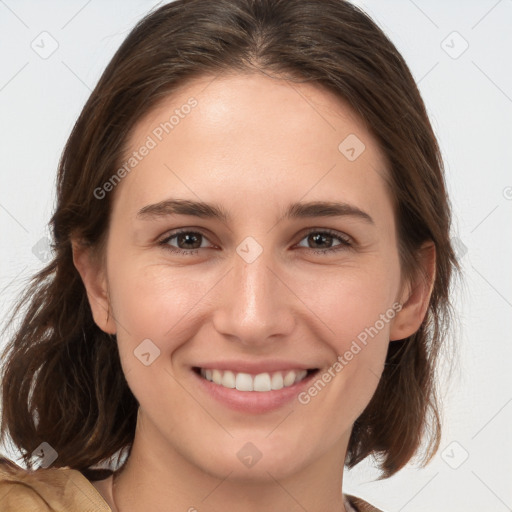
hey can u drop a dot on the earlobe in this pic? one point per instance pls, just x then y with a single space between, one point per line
416 296
96 286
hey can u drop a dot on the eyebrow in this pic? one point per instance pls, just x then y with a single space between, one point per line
211 211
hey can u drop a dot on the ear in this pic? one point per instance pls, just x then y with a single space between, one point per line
415 296
95 282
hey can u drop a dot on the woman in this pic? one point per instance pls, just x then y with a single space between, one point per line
251 274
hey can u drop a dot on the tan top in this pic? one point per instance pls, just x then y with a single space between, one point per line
67 490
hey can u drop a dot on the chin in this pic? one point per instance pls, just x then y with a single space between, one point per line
247 461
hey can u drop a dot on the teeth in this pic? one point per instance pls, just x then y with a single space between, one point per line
217 377
277 381
244 382
228 380
289 378
261 382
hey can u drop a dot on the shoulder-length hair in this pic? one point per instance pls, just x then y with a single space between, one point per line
62 379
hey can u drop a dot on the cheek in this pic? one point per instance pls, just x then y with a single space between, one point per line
153 301
351 300
357 308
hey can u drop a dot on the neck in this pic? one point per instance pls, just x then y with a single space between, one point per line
159 477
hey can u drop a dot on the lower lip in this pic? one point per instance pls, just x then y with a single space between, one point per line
255 402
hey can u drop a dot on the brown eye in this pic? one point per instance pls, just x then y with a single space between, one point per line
184 241
189 240
326 241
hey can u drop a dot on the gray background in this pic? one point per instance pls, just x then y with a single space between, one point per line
468 93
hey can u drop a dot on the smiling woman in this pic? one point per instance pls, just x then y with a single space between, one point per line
281 247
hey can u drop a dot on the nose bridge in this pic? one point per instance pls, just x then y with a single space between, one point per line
254 305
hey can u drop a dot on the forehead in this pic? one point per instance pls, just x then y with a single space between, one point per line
254 134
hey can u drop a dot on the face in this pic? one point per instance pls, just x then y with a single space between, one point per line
255 235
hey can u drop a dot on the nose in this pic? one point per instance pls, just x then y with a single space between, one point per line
255 304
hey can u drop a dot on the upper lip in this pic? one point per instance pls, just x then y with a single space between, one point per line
255 367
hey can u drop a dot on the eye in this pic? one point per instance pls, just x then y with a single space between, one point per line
322 241
188 242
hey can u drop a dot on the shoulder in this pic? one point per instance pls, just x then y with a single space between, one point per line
360 505
46 490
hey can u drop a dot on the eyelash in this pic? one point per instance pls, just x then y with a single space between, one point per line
345 241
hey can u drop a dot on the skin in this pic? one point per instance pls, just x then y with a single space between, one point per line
252 145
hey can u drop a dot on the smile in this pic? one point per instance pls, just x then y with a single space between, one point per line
261 382
247 388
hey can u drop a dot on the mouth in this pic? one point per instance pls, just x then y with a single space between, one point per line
261 382
253 393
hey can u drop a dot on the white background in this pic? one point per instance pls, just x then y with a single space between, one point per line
469 100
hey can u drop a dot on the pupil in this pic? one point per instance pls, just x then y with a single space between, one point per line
188 238
318 236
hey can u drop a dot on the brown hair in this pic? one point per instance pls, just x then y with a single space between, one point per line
62 379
